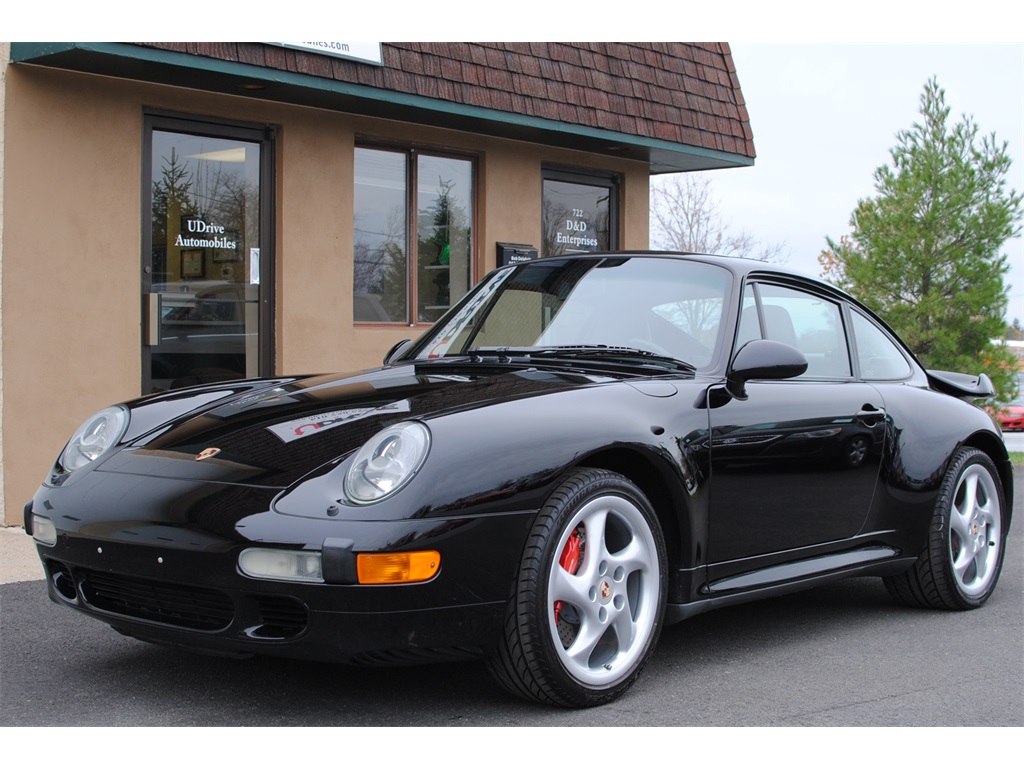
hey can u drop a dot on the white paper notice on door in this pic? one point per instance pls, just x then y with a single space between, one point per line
254 266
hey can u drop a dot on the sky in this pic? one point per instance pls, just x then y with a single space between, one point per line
825 116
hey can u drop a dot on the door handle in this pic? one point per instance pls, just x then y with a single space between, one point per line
151 318
870 415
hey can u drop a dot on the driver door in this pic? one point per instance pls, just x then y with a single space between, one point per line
794 466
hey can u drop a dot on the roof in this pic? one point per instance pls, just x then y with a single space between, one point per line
677 106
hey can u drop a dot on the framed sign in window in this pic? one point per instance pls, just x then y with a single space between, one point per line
222 255
193 263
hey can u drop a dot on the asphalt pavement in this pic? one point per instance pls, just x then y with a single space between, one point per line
839 655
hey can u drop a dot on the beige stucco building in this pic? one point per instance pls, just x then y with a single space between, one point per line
182 213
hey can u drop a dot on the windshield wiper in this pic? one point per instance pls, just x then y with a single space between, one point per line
627 355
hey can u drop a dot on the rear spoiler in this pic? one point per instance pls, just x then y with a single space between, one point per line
961 384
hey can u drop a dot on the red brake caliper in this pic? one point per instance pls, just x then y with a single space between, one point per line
570 561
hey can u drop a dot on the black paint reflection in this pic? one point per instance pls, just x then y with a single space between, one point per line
783 479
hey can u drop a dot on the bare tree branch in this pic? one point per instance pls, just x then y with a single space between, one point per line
685 217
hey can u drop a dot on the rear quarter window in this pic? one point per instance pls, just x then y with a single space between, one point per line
877 355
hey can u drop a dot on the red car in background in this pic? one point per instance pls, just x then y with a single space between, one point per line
1011 415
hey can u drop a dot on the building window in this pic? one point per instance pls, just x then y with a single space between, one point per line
580 211
411 202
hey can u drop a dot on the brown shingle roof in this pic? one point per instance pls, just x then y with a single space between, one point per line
682 93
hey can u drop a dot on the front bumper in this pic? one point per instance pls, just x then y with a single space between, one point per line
181 586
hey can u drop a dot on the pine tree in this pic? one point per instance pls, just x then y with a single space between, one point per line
925 250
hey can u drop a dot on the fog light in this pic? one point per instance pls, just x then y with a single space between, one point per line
397 567
44 531
281 564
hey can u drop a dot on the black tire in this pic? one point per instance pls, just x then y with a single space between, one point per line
959 568
563 636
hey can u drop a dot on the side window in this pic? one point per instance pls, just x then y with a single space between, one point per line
811 324
877 356
749 327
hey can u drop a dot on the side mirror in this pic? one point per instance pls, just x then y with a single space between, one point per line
397 350
763 359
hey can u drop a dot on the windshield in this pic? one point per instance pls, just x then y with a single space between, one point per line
665 306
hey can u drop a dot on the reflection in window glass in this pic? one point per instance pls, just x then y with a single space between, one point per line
445 206
389 286
380 288
877 356
205 239
667 307
697 318
749 328
577 218
811 324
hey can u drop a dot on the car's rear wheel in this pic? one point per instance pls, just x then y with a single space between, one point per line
960 567
589 596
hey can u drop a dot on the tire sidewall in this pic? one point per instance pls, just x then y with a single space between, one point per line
557 517
939 545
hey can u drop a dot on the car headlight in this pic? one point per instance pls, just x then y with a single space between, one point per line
95 437
387 462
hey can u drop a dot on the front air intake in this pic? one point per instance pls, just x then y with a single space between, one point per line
175 605
281 618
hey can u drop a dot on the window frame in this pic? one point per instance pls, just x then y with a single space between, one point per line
411 154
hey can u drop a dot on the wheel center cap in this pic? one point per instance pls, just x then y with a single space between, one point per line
605 590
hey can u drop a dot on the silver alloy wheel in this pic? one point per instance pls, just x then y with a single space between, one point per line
960 565
974 531
611 598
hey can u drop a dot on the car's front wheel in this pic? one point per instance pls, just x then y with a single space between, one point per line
589 596
960 566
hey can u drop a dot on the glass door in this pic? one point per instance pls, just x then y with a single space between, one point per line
205 264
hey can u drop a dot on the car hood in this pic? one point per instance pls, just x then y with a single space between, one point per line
274 435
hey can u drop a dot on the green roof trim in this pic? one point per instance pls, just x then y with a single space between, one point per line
139 62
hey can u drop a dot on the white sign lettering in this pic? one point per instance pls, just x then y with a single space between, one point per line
215 235
370 53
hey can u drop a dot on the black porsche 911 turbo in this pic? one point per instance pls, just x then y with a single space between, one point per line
581 451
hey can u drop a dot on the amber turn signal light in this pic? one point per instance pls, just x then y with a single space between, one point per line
397 567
